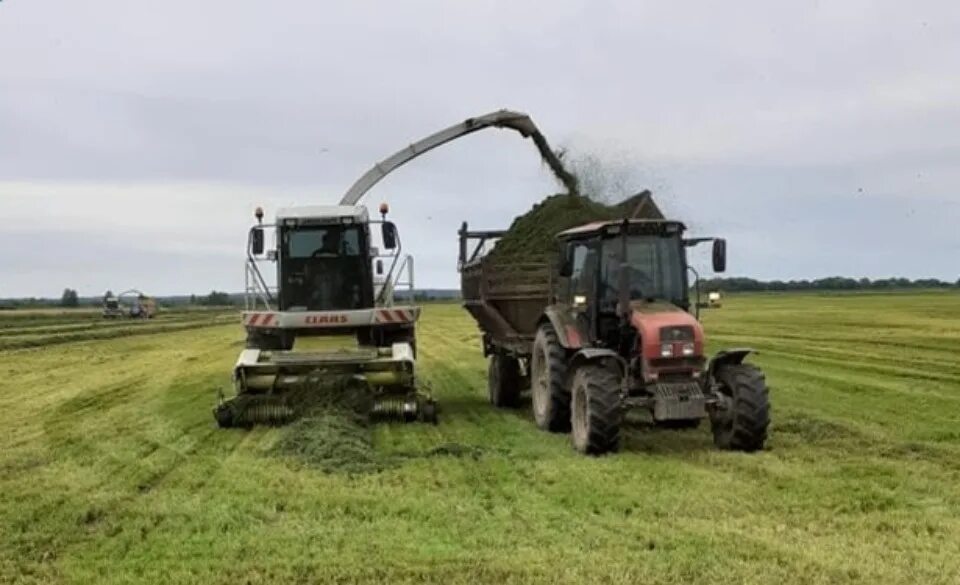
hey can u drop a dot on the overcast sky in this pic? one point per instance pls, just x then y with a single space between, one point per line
137 137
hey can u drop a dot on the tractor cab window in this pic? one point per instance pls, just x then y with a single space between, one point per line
655 269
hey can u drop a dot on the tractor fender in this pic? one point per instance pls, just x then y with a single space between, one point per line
595 354
728 356
569 331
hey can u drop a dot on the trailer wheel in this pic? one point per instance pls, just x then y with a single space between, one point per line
596 412
548 382
741 423
503 381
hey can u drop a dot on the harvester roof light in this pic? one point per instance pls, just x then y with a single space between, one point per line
258 213
384 209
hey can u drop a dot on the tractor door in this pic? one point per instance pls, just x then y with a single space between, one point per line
582 293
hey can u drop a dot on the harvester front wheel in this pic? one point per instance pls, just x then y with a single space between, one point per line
548 382
269 341
224 416
503 381
596 412
740 424
428 412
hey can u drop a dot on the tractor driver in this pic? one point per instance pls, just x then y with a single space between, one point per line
639 282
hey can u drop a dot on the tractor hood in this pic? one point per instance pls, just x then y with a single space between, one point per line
659 323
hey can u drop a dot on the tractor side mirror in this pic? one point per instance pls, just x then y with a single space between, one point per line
257 241
389 232
566 263
719 255
379 267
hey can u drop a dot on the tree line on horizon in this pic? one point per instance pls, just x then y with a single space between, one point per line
834 283
71 298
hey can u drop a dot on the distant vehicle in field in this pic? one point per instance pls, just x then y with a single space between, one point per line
713 299
139 305
111 306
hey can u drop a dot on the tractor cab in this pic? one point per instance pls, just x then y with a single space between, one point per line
625 287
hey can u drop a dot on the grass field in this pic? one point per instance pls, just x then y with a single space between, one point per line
112 470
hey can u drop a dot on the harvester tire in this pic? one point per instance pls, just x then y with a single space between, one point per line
269 341
548 382
596 413
428 412
375 338
742 425
224 416
503 381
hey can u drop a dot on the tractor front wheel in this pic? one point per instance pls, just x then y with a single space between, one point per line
740 421
503 381
548 370
596 409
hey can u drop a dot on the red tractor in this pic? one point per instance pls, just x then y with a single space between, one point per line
609 326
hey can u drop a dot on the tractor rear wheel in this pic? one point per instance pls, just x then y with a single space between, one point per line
596 409
741 423
548 382
503 381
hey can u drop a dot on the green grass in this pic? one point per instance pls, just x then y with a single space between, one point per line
112 470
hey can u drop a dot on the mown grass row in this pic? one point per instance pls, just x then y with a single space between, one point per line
99 323
88 330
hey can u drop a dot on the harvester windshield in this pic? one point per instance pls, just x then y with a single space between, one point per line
323 267
656 269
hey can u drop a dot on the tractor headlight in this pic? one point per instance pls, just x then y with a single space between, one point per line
666 350
688 349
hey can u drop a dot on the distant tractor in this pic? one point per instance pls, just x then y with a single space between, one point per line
111 306
713 299
606 327
130 303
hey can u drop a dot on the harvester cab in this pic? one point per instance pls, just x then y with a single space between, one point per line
329 280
